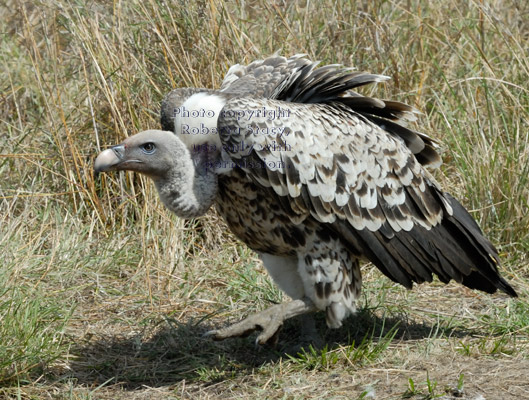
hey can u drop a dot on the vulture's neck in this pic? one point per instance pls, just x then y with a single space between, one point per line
190 191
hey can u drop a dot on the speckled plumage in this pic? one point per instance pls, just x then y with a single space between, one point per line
343 177
335 179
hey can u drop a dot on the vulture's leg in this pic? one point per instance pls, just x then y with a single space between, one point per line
268 321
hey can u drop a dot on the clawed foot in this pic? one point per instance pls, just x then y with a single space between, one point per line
269 322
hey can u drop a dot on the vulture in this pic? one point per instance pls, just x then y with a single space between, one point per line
314 177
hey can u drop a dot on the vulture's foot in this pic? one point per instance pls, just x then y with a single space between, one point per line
268 321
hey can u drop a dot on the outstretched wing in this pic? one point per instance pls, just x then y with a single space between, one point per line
359 175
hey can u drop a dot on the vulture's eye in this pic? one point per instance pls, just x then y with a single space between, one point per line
148 148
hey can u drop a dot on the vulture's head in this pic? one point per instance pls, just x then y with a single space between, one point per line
153 153
163 157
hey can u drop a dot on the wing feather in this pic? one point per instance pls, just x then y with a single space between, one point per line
343 169
340 158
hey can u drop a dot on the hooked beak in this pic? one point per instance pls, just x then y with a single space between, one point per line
109 159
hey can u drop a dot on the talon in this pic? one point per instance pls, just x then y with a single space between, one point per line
210 334
269 338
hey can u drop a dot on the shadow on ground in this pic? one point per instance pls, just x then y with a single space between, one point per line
177 351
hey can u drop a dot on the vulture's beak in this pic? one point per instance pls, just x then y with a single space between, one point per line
109 159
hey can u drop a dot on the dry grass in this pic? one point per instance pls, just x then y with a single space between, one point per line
104 294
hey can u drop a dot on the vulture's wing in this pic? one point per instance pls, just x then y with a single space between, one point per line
297 80
360 175
264 78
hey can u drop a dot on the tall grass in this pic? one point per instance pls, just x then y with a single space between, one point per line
78 76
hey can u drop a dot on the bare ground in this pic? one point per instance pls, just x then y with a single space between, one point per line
124 352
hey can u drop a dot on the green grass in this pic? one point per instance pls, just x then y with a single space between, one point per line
104 294
368 350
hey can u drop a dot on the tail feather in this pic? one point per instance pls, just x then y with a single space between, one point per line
483 252
454 249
